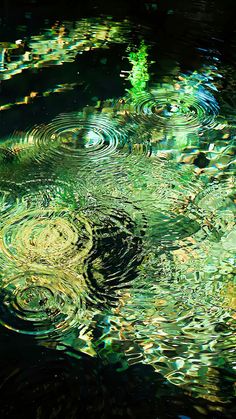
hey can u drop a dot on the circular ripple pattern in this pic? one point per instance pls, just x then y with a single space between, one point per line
75 136
40 305
101 243
175 109
46 237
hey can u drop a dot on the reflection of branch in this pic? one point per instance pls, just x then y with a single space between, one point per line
59 88
139 73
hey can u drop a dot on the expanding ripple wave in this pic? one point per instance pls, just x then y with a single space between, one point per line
57 261
165 107
49 237
180 311
107 246
43 305
78 137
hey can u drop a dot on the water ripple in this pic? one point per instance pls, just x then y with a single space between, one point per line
58 261
166 107
179 313
74 136
40 304
116 254
51 237
8 196
61 44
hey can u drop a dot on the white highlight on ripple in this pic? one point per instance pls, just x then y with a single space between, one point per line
77 136
180 109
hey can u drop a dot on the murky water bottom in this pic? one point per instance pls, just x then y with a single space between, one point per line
117 226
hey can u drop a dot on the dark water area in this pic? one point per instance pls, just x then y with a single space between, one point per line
117 209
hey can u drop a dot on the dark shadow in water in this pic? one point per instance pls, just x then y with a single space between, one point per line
96 80
43 383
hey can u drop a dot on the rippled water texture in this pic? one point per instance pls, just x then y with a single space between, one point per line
117 218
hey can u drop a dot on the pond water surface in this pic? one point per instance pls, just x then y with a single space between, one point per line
117 213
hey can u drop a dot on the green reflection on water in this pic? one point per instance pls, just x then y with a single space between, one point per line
103 230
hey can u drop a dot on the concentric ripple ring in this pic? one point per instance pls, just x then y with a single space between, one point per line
49 237
175 109
40 304
76 136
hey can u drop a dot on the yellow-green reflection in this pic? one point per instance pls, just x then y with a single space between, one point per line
60 44
120 239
